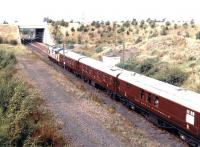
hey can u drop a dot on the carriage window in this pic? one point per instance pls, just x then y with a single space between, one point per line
142 94
156 101
149 98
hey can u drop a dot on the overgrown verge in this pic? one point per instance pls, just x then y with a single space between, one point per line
4 41
160 71
24 121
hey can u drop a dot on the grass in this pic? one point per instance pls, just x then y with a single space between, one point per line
9 34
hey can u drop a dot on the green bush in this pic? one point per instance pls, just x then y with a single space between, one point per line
147 67
1 40
198 35
13 42
163 31
130 64
174 76
99 49
138 40
6 59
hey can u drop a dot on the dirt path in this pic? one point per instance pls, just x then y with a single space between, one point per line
87 120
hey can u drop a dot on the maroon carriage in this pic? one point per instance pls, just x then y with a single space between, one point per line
100 73
176 105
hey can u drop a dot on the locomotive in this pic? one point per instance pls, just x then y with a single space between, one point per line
165 105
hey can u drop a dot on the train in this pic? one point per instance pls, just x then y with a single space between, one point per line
165 105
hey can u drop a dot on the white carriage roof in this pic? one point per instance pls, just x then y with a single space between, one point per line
73 55
178 95
111 70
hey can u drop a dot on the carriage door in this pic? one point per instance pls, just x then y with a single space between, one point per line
190 117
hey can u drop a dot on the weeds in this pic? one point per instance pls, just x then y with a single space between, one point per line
23 119
151 68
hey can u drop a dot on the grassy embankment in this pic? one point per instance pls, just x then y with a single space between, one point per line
24 121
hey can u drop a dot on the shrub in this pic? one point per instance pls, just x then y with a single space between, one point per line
1 40
163 31
13 42
130 64
72 29
174 76
167 23
175 26
185 25
99 49
153 34
198 35
138 40
142 23
6 59
147 67
121 30
134 22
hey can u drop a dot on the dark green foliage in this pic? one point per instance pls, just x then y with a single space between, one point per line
108 23
175 26
198 35
13 42
99 49
121 30
7 59
151 68
134 22
142 23
167 23
138 40
126 24
185 25
79 41
163 31
1 40
147 67
174 76
72 29
130 64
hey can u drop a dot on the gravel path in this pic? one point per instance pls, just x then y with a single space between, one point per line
85 121
78 125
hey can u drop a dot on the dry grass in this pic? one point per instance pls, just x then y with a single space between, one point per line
18 50
9 32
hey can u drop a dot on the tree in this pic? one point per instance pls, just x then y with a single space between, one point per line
163 31
72 29
175 26
126 24
185 25
142 23
192 23
152 23
108 23
66 34
134 22
167 23
5 22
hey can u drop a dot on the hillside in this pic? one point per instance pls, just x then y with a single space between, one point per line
168 45
9 33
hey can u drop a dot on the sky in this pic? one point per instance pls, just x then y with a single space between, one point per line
33 11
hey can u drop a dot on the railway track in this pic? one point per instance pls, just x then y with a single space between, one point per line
163 136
